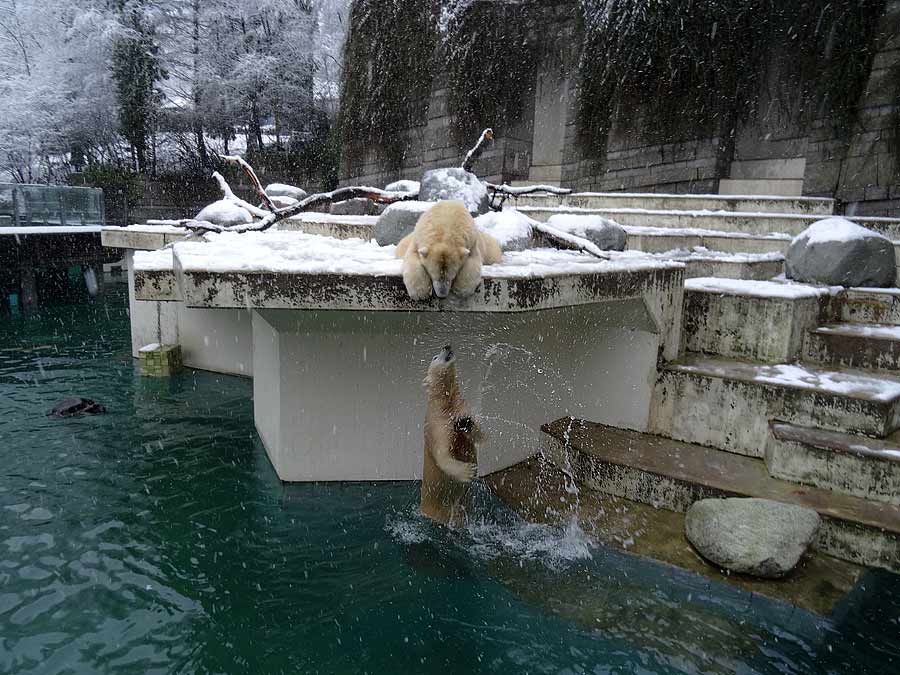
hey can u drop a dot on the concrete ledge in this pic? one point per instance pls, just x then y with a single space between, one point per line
853 465
855 345
148 237
728 404
672 475
870 305
761 321
814 206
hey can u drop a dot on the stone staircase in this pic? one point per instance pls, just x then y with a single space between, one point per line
784 391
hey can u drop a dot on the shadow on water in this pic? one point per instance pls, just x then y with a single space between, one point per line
157 539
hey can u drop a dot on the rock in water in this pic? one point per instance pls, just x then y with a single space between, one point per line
70 407
606 234
282 190
224 213
761 537
398 220
838 252
458 184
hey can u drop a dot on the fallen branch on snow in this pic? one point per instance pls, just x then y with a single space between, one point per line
566 241
251 174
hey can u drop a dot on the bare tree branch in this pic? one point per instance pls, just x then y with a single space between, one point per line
473 154
567 241
506 191
231 197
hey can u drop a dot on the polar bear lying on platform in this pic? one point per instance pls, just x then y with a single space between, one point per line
445 253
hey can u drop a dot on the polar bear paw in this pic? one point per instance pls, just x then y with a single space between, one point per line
466 472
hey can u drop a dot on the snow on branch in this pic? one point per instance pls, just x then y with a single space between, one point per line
228 194
473 154
506 191
251 174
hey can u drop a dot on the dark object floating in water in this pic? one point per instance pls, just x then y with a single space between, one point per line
69 407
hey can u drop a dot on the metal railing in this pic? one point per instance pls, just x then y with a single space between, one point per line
30 205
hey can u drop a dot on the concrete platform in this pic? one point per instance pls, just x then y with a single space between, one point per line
661 239
538 491
758 320
672 475
815 206
728 404
148 237
870 346
870 305
339 350
856 465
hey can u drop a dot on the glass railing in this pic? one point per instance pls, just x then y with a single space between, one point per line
34 205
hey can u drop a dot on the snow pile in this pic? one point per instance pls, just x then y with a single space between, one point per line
224 213
606 234
835 229
454 183
754 289
511 228
299 253
402 186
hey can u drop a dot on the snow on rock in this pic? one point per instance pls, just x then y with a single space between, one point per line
283 190
606 234
512 229
403 186
837 251
398 220
224 213
454 183
754 289
299 253
280 202
761 537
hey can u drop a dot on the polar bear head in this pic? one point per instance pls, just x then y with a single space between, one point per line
443 261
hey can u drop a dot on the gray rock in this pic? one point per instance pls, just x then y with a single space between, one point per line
398 220
606 234
356 207
761 537
453 183
224 213
282 190
281 202
511 228
838 252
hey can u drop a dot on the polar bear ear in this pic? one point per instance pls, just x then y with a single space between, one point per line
465 251
423 251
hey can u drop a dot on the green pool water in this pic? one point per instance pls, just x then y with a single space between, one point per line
157 539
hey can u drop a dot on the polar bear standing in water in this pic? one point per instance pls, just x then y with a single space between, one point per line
445 253
451 436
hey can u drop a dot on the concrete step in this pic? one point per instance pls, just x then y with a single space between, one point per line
753 267
870 305
871 346
757 320
854 465
760 223
786 187
728 404
672 475
812 206
661 239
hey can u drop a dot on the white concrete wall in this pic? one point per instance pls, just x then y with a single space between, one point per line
339 395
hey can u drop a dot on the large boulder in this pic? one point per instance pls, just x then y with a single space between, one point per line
281 202
606 234
511 228
458 184
838 252
224 213
398 220
760 537
282 190
403 186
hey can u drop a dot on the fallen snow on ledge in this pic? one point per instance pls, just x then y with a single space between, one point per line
846 383
299 253
755 289
153 261
150 227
